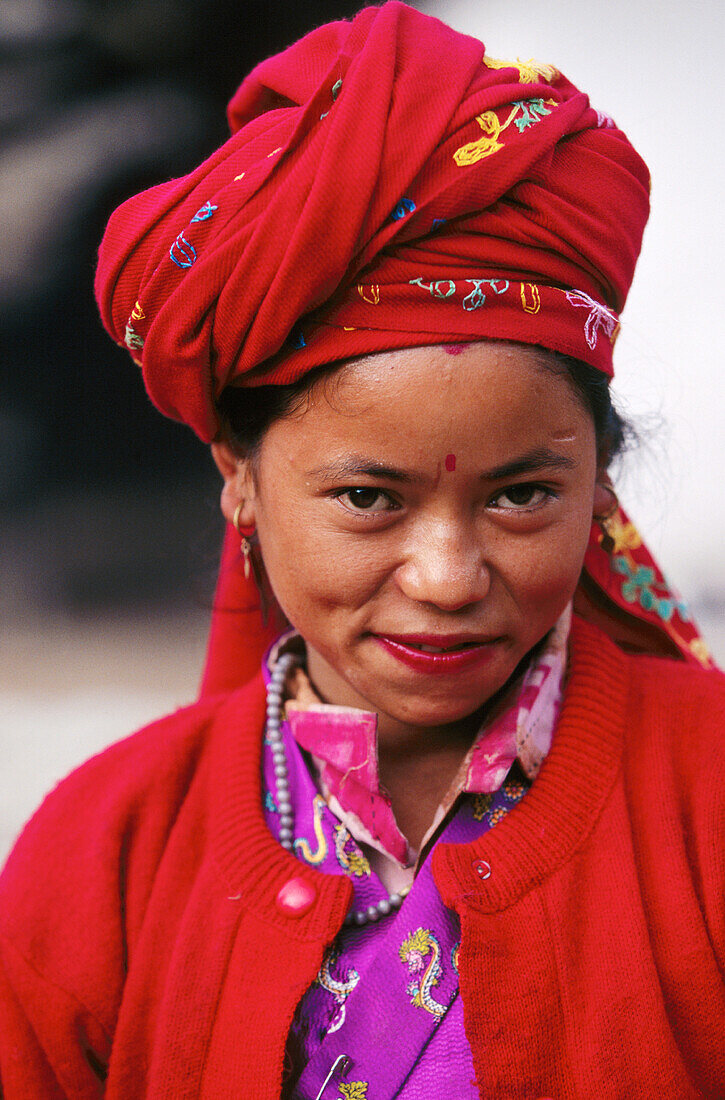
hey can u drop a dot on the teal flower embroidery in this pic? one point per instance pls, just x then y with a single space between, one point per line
639 588
532 111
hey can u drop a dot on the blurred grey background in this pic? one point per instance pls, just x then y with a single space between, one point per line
109 528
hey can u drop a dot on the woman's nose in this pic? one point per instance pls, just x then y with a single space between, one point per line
444 565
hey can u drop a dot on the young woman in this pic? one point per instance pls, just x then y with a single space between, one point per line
446 818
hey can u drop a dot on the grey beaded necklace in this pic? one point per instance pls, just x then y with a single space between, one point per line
275 690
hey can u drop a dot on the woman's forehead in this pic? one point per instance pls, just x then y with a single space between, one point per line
420 401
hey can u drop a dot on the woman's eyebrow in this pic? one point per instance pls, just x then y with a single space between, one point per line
357 464
541 458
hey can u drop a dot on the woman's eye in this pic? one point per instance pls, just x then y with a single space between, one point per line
365 500
525 496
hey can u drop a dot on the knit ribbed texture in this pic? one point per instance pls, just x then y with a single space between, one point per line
141 940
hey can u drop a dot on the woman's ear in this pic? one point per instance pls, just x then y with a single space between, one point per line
238 488
606 500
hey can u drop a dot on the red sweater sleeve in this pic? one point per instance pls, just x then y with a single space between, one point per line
72 898
50 1045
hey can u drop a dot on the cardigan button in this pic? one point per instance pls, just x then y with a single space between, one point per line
296 897
482 868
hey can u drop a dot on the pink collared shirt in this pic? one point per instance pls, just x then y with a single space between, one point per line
342 743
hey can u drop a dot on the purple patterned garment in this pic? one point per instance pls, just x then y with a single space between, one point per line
402 969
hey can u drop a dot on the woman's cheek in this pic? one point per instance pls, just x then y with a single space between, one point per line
543 575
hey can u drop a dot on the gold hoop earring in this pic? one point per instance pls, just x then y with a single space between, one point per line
245 534
607 541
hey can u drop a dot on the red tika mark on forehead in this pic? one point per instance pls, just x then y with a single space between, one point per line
454 349
450 463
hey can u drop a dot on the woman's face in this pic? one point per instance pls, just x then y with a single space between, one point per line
423 499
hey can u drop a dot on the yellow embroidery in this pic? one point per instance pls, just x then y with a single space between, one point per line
413 952
524 112
302 846
625 535
240 176
137 314
530 72
353 861
535 304
355 1090
481 804
699 650
274 152
485 146
374 298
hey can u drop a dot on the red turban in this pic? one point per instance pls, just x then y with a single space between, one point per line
386 185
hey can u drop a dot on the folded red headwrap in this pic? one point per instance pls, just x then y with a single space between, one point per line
387 185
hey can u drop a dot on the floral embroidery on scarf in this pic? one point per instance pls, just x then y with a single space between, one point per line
373 291
404 207
605 122
414 952
530 72
340 988
204 212
349 855
131 339
624 536
534 305
436 288
455 956
599 317
302 845
446 288
335 93
640 587
477 298
182 252
623 567
354 1090
531 111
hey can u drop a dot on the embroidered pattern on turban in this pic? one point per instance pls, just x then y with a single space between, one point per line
386 184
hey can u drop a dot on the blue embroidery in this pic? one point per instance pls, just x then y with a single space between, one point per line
638 588
335 93
186 252
297 340
269 803
438 222
477 298
436 287
205 212
405 206
533 110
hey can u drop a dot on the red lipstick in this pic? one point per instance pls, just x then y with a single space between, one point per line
443 653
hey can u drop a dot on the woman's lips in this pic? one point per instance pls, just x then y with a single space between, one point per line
442 654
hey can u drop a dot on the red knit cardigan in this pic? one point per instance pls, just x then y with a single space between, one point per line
145 950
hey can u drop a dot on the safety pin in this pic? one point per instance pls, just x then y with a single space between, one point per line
345 1063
